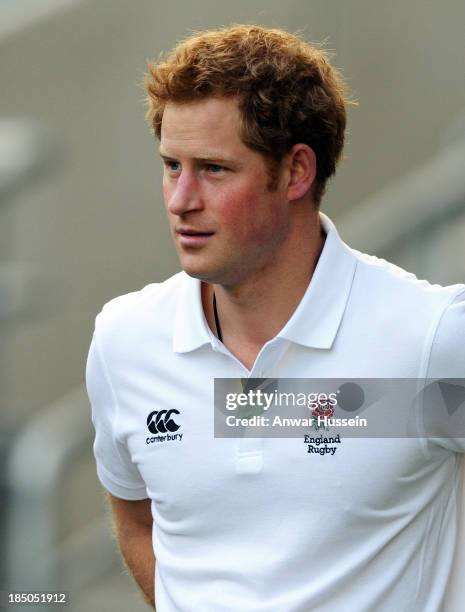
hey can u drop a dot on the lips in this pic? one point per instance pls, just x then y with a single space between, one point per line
193 232
190 238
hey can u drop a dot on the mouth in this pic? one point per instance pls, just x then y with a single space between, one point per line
193 238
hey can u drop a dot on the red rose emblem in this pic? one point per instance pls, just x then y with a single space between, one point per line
323 411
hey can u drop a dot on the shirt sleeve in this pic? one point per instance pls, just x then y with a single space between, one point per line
115 470
447 365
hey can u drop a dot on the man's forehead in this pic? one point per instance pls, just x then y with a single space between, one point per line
207 129
210 104
208 119
197 144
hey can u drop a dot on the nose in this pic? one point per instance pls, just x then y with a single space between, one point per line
184 194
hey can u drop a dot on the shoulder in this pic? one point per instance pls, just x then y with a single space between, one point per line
154 304
402 288
416 313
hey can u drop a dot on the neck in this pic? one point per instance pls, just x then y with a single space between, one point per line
252 312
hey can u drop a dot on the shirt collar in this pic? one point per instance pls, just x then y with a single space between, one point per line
190 326
317 318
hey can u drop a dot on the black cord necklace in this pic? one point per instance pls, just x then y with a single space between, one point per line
217 319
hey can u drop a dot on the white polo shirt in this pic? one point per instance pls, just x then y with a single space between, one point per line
261 525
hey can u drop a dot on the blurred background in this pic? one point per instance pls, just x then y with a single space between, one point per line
82 221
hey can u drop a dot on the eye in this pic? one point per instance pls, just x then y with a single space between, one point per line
214 168
174 166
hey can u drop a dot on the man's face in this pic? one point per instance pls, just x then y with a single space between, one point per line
226 225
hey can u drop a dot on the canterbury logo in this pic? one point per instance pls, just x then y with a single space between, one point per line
160 421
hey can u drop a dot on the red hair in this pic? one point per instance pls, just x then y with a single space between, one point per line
287 90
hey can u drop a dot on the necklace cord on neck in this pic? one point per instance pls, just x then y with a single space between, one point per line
217 319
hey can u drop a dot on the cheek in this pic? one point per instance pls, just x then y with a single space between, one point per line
166 191
253 217
241 209
167 194
237 218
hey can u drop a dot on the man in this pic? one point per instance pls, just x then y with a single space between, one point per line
251 125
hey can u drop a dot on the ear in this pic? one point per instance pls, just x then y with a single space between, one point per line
301 171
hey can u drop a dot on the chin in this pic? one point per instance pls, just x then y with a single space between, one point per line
212 272
211 276
200 272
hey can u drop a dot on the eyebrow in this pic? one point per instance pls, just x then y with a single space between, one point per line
204 158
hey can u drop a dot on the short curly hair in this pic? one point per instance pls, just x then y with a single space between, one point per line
287 91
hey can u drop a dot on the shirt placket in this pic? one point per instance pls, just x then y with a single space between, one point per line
249 456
